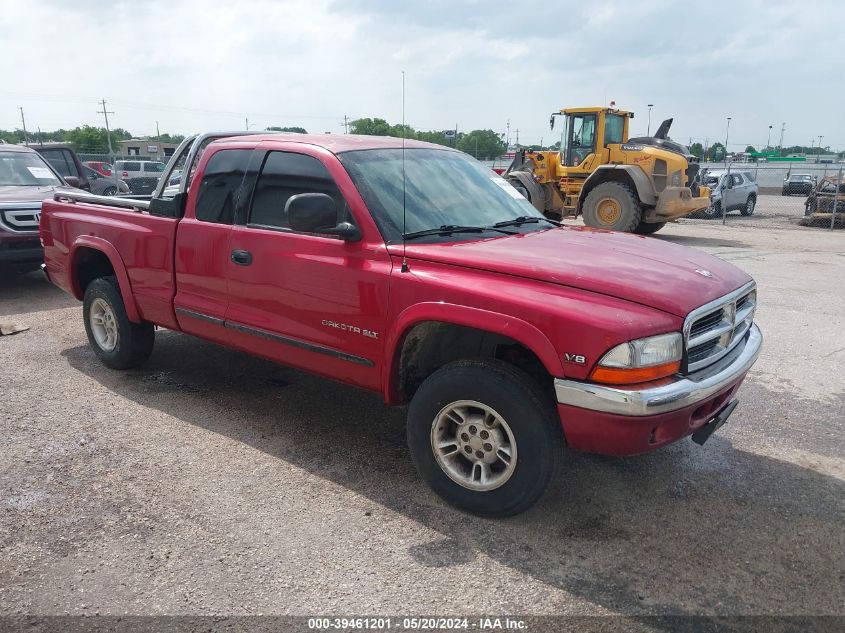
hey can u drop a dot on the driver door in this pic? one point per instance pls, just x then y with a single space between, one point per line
581 140
308 300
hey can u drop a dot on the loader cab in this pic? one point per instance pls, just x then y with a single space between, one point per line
586 134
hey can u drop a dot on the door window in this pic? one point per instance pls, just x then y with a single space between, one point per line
221 185
286 174
581 140
737 179
59 160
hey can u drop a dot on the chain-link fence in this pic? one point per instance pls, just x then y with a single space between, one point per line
774 195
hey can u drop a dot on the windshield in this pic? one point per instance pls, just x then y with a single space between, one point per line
25 169
442 188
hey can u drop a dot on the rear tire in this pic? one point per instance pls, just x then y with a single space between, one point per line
613 206
748 209
469 412
648 228
117 342
110 191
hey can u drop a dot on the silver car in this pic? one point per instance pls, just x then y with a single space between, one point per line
104 185
736 191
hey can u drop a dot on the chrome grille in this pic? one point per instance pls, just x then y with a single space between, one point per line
714 329
21 217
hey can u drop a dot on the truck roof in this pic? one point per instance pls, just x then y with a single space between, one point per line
335 143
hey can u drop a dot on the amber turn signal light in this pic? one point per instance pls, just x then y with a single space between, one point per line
632 376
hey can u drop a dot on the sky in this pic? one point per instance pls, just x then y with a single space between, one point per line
196 65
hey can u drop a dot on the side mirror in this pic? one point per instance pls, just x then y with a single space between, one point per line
72 181
317 213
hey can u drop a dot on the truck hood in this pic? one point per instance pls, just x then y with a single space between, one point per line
645 270
20 193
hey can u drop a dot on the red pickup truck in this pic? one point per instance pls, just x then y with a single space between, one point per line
417 273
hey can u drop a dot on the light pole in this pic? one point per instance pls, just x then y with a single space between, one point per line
727 135
769 139
821 136
648 132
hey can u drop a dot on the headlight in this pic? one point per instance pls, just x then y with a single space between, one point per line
676 179
641 360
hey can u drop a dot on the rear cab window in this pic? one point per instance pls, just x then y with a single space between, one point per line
222 186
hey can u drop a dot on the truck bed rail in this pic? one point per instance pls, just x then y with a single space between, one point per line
138 206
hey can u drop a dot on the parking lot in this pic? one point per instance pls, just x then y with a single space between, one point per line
212 482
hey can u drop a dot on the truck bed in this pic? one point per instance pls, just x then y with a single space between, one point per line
139 246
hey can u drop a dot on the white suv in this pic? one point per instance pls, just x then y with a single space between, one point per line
141 175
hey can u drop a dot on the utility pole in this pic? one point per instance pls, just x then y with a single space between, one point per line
23 123
821 136
727 135
517 138
158 133
40 140
769 139
106 114
345 124
782 130
648 132
508 137
246 123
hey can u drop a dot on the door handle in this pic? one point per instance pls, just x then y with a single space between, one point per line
244 258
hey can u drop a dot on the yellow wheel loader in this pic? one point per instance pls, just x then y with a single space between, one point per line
634 185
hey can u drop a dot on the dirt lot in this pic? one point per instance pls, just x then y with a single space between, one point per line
210 482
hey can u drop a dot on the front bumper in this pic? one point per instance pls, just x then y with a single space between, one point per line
624 421
20 248
676 202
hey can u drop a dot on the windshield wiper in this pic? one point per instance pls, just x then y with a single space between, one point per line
526 219
448 229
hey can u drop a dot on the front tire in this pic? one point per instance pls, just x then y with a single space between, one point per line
613 206
713 211
483 436
117 342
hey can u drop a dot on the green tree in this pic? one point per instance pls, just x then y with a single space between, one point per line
482 144
750 149
373 127
716 152
697 150
298 130
88 139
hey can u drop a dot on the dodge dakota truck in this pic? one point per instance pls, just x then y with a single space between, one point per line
411 270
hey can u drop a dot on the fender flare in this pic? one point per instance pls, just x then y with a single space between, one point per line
107 249
520 331
538 198
642 183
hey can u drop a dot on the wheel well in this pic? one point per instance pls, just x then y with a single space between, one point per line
432 344
603 176
90 264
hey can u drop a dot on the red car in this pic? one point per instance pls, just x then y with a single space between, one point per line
419 274
100 167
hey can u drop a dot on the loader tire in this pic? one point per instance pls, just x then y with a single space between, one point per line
613 206
648 228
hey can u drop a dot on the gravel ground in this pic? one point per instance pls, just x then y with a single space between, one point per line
209 482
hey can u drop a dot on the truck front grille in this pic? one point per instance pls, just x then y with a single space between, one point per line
23 218
714 329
